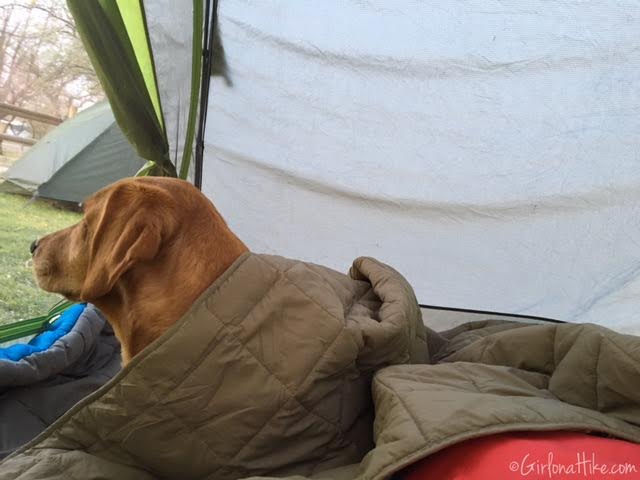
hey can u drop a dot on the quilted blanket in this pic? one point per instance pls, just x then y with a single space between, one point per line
284 368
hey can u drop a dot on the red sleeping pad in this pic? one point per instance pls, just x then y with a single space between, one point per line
532 455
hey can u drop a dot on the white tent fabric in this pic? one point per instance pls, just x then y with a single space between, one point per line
488 149
170 28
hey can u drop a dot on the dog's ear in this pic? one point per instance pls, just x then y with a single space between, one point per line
128 232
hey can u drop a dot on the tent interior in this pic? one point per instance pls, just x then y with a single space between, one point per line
486 150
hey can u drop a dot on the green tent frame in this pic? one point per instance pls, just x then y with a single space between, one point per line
116 36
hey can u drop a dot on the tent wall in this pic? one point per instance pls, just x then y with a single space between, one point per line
489 150
170 26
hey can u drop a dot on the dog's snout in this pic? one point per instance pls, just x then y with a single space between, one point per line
33 247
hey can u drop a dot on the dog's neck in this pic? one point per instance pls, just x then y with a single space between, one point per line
153 296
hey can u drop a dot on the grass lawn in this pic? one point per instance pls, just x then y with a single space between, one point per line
22 222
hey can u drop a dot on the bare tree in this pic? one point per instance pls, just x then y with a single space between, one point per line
43 65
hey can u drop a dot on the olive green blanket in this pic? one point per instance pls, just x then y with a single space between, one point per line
284 368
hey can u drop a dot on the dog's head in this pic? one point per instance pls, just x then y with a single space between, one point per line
124 224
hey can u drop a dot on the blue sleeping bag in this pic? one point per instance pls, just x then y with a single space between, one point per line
46 339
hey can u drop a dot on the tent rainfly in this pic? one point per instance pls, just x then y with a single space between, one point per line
75 159
488 150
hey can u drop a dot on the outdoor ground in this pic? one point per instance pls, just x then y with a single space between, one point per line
21 222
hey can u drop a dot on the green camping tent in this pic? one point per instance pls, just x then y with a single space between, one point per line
75 159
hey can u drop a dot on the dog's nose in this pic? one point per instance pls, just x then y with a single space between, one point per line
33 246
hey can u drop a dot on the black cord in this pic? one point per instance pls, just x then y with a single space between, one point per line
210 19
485 312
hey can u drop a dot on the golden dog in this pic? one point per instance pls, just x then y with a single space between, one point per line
144 251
